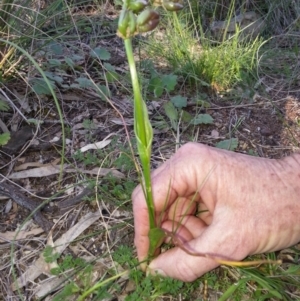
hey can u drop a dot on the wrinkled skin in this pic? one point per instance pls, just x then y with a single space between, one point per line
251 205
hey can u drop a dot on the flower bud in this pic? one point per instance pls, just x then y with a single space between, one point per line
147 20
127 24
138 5
172 6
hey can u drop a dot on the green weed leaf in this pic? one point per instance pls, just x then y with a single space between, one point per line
229 144
169 81
54 62
101 53
49 254
186 116
156 86
111 75
4 138
179 101
172 113
41 87
229 292
202 119
4 107
69 62
84 82
57 49
103 91
69 290
52 76
203 103
109 67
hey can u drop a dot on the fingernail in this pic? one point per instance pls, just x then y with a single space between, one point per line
154 272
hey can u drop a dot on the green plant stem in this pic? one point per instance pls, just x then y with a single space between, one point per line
142 132
100 284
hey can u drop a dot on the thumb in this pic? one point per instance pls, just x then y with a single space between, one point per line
213 242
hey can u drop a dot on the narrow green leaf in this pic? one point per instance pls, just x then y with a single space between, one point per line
156 238
202 119
293 269
231 290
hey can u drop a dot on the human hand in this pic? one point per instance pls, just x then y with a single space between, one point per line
221 203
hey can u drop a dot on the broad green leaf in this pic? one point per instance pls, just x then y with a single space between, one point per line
69 62
111 76
186 116
229 144
84 82
54 77
169 81
54 62
104 91
179 101
41 87
77 57
4 138
100 53
56 48
87 29
156 238
109 67
156 86
3 106
158 91
203 103
202 119
172 113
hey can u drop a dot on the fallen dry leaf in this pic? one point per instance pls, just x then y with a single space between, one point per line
96 145
16 235
35 164
40 266
48 170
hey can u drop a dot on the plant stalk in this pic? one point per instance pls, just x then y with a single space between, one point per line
143 132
